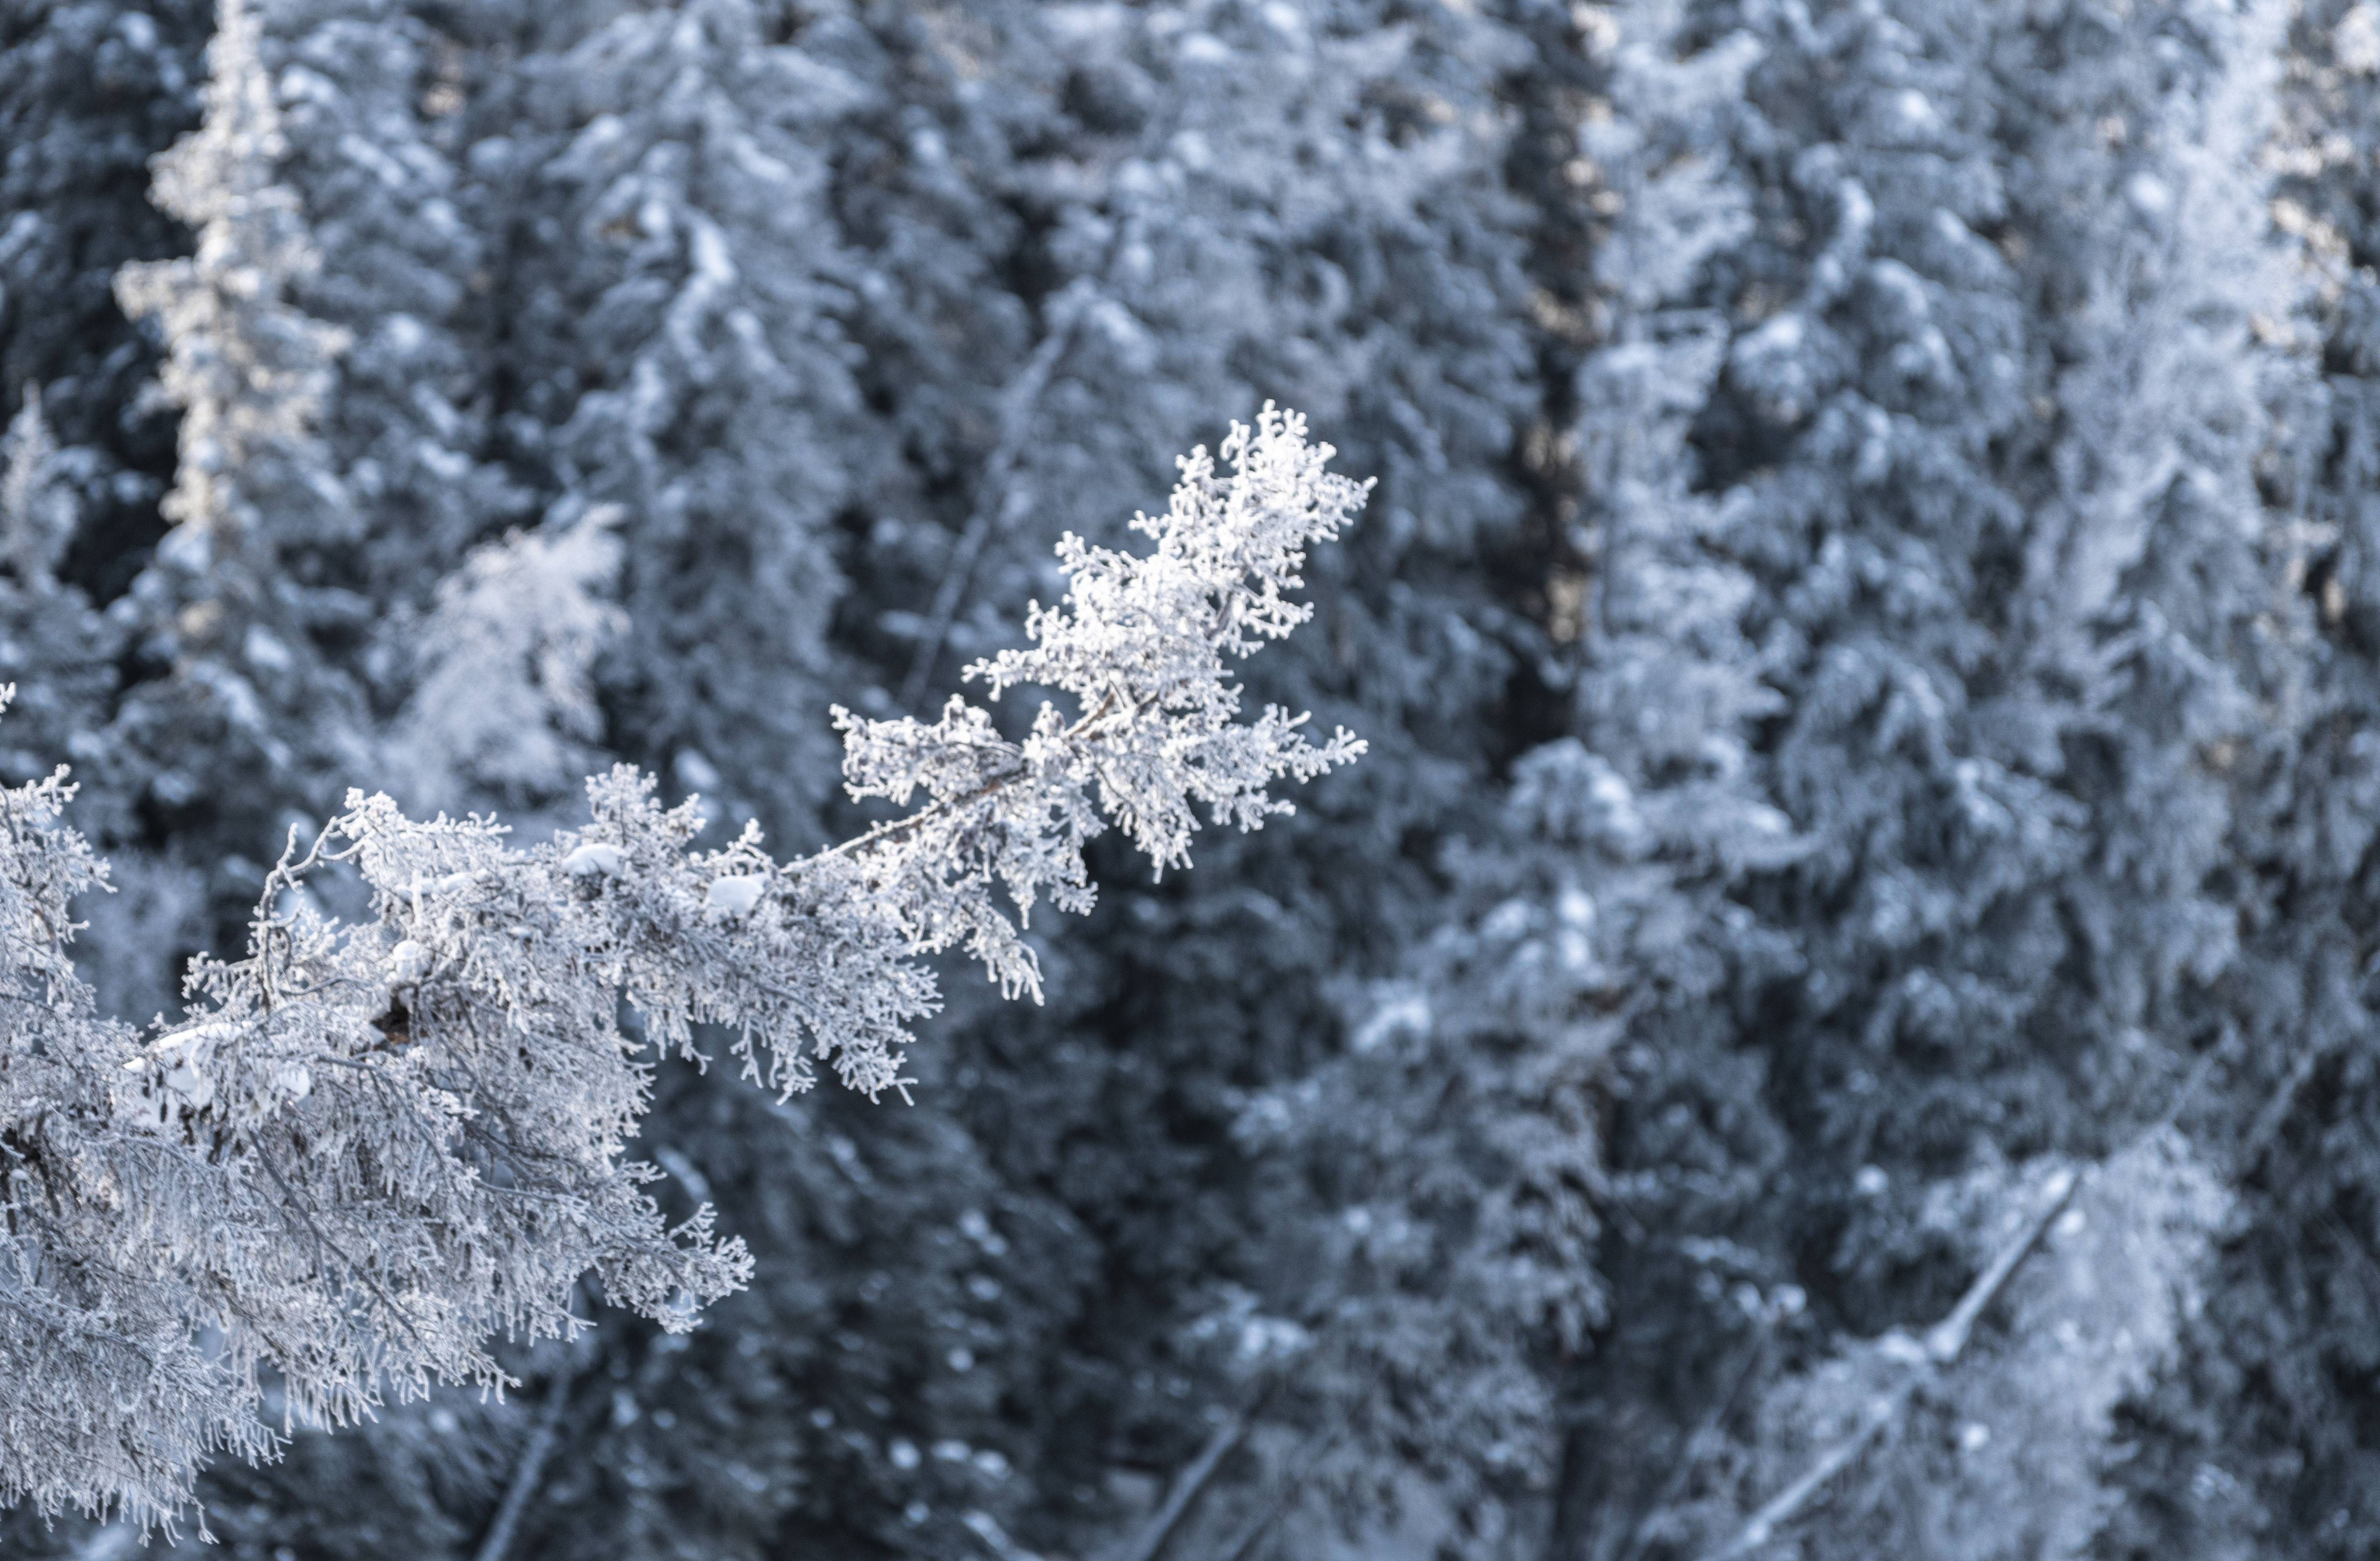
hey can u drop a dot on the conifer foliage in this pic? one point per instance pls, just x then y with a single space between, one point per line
1833 1017
368 1149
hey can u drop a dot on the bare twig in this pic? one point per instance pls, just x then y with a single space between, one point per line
287 874
1284 1496
1188 1488
1642 1535
531 1467
1943 1343
1947 1340
1018 403
1786 1502
2275 1112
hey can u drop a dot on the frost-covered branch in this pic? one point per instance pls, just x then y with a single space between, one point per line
369 1150
1144 646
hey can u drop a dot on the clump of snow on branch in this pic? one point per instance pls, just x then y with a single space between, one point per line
367 1150
1144 646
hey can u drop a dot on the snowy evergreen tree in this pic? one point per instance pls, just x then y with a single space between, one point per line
2253 1442
677 332
92 92
371 103
54 642
226 607
1442 1247
1860 631
2001 496
1176 1033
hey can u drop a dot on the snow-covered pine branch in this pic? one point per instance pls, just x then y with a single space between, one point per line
1141 644
369 1150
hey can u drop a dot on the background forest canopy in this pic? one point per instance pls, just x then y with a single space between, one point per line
1833 1019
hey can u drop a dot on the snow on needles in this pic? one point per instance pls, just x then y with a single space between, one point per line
1141 644
368 1150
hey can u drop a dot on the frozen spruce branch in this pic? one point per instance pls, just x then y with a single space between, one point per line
1144 647
368 1150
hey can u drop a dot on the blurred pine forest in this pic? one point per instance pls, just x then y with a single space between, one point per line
1836 1019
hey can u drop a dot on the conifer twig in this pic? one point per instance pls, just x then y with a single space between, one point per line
372 1147
1943 1343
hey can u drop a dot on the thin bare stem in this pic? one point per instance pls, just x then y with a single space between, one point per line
1944 1343
530 1469
1188 1488
1021 400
